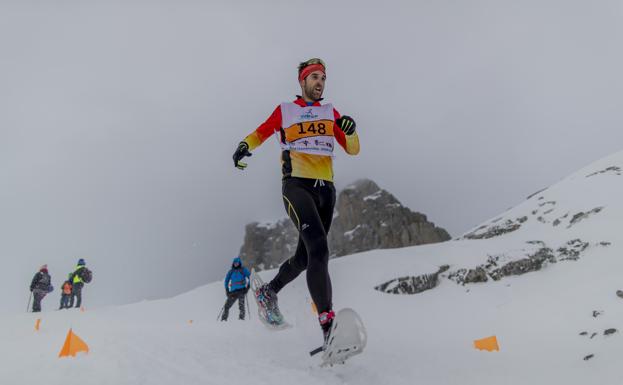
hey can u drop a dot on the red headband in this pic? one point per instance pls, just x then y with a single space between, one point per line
311 68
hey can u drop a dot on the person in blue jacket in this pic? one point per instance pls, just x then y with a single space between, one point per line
237 283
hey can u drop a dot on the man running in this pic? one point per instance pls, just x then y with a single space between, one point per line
306 131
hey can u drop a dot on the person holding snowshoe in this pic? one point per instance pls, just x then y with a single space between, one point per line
307 131
66 290
78 278
40 286
237 283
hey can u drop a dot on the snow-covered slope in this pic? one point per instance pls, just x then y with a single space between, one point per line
412 339
562 211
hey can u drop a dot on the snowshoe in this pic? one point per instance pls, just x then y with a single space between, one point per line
267 306
347 338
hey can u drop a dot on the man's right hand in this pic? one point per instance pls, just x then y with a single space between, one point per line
241 152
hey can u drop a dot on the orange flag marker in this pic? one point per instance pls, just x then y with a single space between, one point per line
37 324
314 308
73 344
489 344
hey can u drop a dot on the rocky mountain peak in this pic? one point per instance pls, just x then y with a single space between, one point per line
366 217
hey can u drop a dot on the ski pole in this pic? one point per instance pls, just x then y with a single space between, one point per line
219 313
246 298
28 306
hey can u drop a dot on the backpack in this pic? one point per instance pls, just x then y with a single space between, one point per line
86 275
44 281
44 284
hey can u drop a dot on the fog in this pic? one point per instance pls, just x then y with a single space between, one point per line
118 121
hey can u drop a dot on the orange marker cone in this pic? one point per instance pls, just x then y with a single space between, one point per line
489 344
73 344
37 324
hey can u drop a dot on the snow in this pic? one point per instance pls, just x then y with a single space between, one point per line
412 339
351 233
267 225
373 197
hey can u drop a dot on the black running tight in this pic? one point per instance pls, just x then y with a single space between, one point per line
309 203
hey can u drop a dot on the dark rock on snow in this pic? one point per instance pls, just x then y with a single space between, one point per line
496 230
412 285
610 331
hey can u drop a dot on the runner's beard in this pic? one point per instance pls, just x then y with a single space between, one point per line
311 92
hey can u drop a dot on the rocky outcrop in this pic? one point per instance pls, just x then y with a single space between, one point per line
572 250
533 262
582 215
369 217
612 170
496 270
465 276
412 285
486 232
493 270
541 213
366 218
266 245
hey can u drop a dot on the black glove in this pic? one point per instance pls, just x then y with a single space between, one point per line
347 124
241 152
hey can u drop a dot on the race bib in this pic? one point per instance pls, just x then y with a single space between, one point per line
308 129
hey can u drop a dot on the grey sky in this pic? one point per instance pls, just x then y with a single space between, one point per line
118 121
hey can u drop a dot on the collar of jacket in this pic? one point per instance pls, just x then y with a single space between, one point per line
301 102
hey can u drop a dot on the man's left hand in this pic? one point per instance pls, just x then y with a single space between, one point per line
347 124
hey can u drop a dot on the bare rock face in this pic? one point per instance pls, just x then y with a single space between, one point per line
611 170
366 218
492 269
266 245
369 217
484 232
533 262
412 285
544 256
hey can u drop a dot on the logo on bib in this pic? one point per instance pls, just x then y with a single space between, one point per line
309 115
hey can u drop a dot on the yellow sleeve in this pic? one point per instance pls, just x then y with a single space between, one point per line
352 144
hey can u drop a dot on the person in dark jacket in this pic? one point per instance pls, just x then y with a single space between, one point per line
40 286
77 282
237 283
